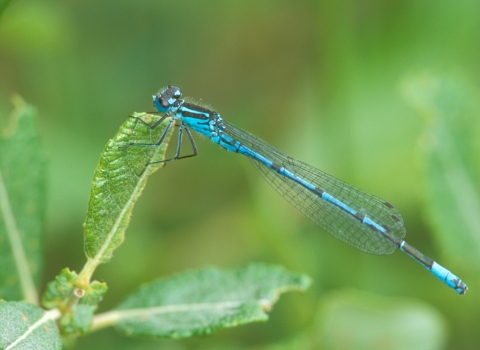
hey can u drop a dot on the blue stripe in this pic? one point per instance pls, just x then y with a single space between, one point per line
370 222
448 277
340 204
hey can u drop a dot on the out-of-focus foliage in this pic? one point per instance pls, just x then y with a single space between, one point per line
449 157
335 84
353 320
22 205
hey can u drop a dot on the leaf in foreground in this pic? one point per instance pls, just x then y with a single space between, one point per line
199 303
26 326
22 205
118 181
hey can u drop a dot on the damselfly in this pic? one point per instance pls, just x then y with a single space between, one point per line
352 215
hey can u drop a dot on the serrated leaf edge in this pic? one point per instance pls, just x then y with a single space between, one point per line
21 262
50 315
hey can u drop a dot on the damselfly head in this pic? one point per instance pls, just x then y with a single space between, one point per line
166 98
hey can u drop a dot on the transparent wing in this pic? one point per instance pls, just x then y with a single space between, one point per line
326 215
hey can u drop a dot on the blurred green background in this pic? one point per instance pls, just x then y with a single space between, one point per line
382 94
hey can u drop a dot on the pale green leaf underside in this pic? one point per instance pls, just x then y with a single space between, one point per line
118 181
24 326
199 303
22 205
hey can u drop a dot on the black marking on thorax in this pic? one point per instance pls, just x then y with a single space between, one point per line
194 111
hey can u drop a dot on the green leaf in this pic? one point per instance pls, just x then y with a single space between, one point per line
26 326
118 181
351 319
22 205
451 169
199 303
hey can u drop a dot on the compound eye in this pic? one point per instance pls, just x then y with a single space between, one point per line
164 102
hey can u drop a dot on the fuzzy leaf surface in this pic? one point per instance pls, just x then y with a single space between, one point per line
118 181
25 326
199 303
